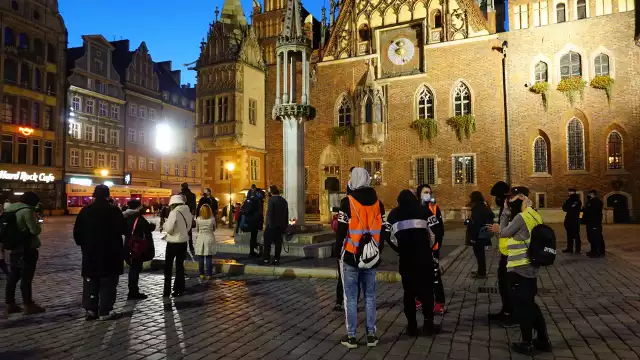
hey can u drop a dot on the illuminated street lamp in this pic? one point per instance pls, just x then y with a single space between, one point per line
230 167
164 138
104 172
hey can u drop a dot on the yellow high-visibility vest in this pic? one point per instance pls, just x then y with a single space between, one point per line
517 250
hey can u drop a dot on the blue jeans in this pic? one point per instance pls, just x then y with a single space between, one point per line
209 261
367 277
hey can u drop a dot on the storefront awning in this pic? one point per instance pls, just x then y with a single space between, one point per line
120 191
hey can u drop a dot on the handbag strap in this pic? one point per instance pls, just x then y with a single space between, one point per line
185 220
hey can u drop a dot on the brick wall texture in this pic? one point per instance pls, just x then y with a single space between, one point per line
480 67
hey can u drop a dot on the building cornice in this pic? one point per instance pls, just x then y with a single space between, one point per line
96 94
147 97
192 112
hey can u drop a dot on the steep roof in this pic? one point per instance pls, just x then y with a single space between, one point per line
232 13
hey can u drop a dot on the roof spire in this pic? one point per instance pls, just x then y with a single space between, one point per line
293 20
232 13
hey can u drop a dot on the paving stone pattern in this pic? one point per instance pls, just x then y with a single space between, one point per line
591 307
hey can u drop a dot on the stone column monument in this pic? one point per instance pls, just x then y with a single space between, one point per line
293 105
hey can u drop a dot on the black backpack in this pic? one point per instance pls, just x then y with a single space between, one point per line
11 236
542 249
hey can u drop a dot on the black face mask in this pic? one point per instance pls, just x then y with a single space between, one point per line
515 207
500 201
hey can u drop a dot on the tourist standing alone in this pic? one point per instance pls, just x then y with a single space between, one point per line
205 240
98 231
177 226
277 223
363 231
24 254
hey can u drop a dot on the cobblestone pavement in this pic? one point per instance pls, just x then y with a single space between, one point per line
591 307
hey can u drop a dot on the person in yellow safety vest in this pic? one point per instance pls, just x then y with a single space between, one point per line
516 224
500 191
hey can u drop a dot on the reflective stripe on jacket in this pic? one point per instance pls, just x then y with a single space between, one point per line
364 219
518 249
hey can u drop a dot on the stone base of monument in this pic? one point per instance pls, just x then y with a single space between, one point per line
308 241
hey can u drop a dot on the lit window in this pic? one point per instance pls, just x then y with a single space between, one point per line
540 156
102 135
184 170
88 107
142 163
374 168
575 145
88 159
113 137
462 100
75 157
425 170
176 170
102 160
425 103
224 173
464 170
89 133
601 63
115 112
102 109
113 161
614 150
74 130
254 169
77 103
570 65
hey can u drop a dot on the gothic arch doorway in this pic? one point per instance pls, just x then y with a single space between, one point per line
620 202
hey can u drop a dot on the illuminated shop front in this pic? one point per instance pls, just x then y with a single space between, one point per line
81 195
15 181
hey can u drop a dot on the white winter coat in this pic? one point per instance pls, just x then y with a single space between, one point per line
205 241
178 224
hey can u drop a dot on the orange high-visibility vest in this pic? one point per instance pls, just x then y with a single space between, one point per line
433 208
364 219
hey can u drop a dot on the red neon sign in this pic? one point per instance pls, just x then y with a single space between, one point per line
26 131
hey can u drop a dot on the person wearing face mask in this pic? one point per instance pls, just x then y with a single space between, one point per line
516 223
436 224
481 215
592 219
500 191
572 206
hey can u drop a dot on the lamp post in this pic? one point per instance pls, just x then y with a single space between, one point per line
230 167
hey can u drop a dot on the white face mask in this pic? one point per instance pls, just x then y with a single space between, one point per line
426 198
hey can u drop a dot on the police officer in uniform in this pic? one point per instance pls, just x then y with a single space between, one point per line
572 207
592 219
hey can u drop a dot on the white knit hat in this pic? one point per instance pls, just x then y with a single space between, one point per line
176 199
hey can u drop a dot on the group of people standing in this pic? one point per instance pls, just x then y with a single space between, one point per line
589 215
414 229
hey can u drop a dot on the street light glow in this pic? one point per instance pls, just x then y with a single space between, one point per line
231 166
164 138
104 172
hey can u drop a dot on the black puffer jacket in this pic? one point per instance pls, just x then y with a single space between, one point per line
98 231
366 196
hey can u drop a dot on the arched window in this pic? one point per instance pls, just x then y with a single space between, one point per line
570 65
575 145
437 19
461 100
540 156
364 32
561 13
582 9
601 64
425 104
368 110
344 112
542 71
614 150
9 37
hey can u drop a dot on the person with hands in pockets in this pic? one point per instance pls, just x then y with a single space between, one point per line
177 226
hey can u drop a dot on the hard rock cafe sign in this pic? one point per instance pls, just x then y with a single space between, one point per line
25 176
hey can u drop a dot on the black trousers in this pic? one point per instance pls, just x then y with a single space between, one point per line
438 286
527 312
253 242
99 294
503 284
573 238
175 252
595 238
413 283
272 236
23 269
134 277
191 242
479 252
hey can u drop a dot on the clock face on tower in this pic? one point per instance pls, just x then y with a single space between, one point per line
400 51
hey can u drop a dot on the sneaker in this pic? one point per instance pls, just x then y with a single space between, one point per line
372 340
338 307
525 348
138 296
439 309
567 251
275 262
90 315
12 309
542 344
350 342
418 305
111 316
33 308
201 276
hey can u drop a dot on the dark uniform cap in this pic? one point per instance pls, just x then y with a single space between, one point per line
517 190
500 188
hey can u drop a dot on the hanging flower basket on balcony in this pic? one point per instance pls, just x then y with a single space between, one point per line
541 88
346 131
426 128
463 125
571 87
605 83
